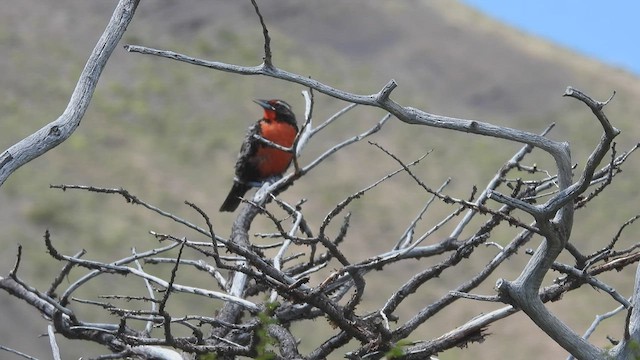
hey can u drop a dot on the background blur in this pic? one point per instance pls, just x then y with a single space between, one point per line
169 132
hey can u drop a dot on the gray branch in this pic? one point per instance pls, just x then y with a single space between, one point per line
553 220
59 130
627 349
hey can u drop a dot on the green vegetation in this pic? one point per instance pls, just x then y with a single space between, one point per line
265 341
397 350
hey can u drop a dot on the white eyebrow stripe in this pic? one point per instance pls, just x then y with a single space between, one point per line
283 104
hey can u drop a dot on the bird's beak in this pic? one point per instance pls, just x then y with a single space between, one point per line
263 103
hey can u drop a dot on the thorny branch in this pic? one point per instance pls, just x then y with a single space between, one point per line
302 299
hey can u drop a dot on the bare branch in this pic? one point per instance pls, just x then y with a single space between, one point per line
124 270
469 296
59 130
63 274
495 181
407 236
147 284
288 344
448 199
16 352
97 272
278 272
596 107
132 199
333 118
267 39
55 350
380 99
155 352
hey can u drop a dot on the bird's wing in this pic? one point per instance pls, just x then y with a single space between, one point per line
246 170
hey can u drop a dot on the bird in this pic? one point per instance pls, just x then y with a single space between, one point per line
258 161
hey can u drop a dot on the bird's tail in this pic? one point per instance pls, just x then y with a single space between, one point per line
233 199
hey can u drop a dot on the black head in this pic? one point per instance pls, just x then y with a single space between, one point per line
277 110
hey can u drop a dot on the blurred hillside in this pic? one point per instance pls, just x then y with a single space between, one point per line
169 132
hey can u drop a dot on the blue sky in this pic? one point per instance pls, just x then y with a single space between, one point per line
606 30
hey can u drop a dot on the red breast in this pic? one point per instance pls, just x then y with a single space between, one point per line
272 161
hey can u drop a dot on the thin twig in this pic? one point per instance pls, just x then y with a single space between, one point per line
448 199
407 236
267 40
63 274
149 326
130 198
55 350
16 352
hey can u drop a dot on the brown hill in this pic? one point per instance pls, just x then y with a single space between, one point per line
169 132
